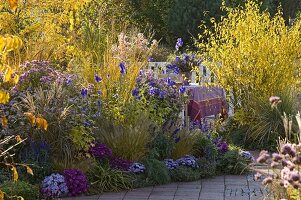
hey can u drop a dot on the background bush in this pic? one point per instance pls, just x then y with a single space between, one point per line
156 171
20 188
184 174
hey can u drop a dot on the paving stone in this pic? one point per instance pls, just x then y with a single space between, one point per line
161 198
204 195
185 198
143 189
163 193
236 198
190 186
137 193
165 189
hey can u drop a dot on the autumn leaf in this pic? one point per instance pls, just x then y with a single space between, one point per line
13 4
15 173
42 123
8 75
4 97
18 138
29 170
31 118
1 195
4 121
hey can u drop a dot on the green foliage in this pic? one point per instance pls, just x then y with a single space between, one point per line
265 124
156 171
81 138
185 16
232 162
185 174
207 168
127 140
204 147
185 143
20 188
106 179
39 172
141 180
163 146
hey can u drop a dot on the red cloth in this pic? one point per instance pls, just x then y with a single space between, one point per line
201 109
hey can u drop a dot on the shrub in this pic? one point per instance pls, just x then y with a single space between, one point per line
106 179
185 140
232 162
206 168
252 53
163 145
204 147
76 180
20 188
264 123
127 140
184 174
156 171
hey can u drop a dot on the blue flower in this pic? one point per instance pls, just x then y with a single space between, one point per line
84 92
97 78
153 91
179 43
170 82
137 168
182 89
99 103
151 59
99 92
178 59
152 83
108 76
122 68
171 164
162 94
135 93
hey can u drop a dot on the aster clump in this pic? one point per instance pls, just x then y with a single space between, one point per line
54 186
119 163
188 161
100 151
76 181
171 164
137 168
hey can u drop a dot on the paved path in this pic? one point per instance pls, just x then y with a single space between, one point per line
226 187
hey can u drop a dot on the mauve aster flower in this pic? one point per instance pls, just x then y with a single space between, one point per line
97 78
84 92
119 163
137 168
179 43
122 68
100 151
76 180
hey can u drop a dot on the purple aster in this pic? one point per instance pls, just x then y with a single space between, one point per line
178 59
162 94
100 151
170 82
179 43
97 79
182 89
135 92
122 68
153 91
119 163
84 92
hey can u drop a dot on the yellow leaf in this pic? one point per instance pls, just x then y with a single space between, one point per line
42 123
4 121
15 173
8 74
31 118
29 170
18 138
13 4
4 97
1 195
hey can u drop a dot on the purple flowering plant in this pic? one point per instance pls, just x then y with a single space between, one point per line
121 164
137 168
285 180
100 151
76 181
160 97
54 186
